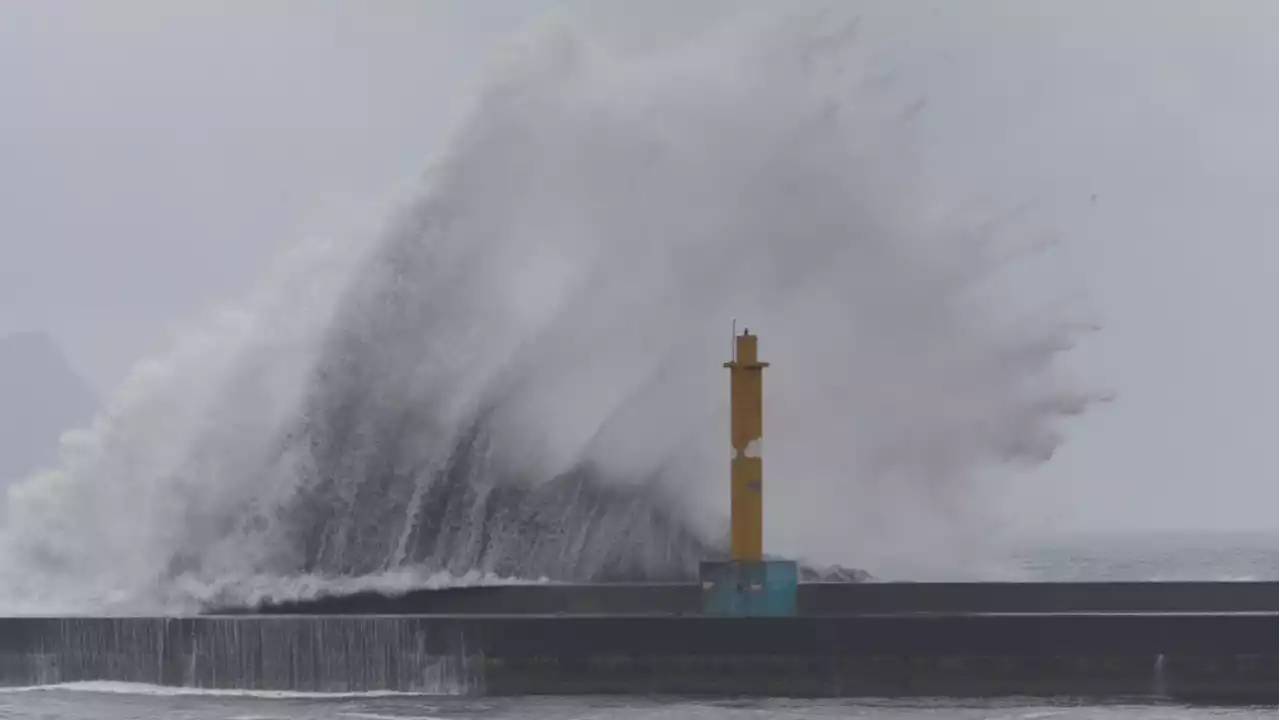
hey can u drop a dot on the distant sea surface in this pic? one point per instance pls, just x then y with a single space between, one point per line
1163 557
1148 557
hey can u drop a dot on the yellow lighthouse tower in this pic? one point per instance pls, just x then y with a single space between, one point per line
747 584
746 432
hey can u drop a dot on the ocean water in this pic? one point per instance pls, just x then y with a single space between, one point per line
1134 557
1148 557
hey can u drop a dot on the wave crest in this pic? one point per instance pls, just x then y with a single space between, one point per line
521 376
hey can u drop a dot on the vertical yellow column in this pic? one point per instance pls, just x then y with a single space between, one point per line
746 410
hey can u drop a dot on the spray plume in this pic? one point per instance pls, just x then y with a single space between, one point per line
520 376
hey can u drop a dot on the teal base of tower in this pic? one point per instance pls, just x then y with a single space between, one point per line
736 588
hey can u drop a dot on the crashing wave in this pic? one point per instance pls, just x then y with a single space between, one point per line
521 377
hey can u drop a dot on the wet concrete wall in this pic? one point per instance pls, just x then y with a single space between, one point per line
1218 657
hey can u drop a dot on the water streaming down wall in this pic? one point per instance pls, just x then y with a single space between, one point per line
334 655
520 376
1209 656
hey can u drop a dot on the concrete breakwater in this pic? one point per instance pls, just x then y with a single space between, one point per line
812 599
1227 657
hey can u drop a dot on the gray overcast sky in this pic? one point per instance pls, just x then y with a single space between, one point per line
153 155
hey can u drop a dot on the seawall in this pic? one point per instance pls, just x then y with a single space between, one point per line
812 599
1219 657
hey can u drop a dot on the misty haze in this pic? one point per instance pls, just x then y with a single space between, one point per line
344 295
520 359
